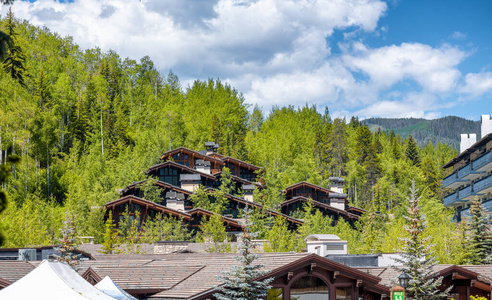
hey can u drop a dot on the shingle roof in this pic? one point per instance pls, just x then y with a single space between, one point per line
15 270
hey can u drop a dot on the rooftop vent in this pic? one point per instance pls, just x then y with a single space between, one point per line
190 182
175 200
325 244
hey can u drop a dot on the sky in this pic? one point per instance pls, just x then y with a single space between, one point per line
368 58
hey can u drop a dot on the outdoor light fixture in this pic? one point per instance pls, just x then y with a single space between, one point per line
404 278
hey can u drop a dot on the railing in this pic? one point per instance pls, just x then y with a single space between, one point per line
467 191
482 160
483 184
466 170
449 180
450 199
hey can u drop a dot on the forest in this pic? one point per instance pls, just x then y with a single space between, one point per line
86 123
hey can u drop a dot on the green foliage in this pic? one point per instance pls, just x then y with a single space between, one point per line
128 233
279 238
163 228
213 231
13 63
110 235
240 282
417 257
150 190
478 241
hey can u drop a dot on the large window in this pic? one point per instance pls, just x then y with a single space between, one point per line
169 175
309 288
344 293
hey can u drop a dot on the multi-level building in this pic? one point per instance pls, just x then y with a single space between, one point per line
182 171
471 172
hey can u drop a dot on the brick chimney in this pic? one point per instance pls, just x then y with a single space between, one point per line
175 201
190 182
248 192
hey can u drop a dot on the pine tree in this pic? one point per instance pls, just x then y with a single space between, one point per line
68 242
479 238
14 60
110 236
417 258
240 283
42 90
412 151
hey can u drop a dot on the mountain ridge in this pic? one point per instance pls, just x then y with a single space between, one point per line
444 130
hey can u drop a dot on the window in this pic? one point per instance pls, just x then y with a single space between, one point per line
309 288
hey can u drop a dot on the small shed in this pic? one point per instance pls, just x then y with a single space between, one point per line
325 244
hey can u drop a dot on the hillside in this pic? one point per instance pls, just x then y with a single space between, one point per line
445 130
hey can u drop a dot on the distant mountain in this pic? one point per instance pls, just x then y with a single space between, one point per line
444 130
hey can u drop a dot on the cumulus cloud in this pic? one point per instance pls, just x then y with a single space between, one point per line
276 52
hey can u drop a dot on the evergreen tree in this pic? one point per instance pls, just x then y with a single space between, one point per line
338 147
479 238
417 258
68 242
412 151
241 282
110 236
14 58
42 90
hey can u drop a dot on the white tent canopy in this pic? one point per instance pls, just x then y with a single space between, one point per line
53 280
109 287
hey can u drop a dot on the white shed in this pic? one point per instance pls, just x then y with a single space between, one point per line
325 244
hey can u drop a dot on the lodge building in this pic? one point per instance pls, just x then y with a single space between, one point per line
182 171
470 173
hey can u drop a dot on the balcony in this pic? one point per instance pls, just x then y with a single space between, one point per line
452 181
466 193
483 186
451 200
483 163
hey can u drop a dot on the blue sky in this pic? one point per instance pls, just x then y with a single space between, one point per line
370 58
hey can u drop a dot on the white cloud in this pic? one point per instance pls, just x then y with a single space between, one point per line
477 84
274 51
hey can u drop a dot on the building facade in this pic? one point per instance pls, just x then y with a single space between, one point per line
470 173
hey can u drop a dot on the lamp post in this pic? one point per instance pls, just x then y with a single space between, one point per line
403 279
398 292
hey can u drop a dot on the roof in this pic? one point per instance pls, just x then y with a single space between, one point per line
322 237
195 153
201 211
149 204
465 154
157 182
13 270
322 205
314 186
53 280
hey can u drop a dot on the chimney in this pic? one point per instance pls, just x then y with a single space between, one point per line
175 201
337 200
486 125
202 166
466 140
248 192
190 182
211 147
336 184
